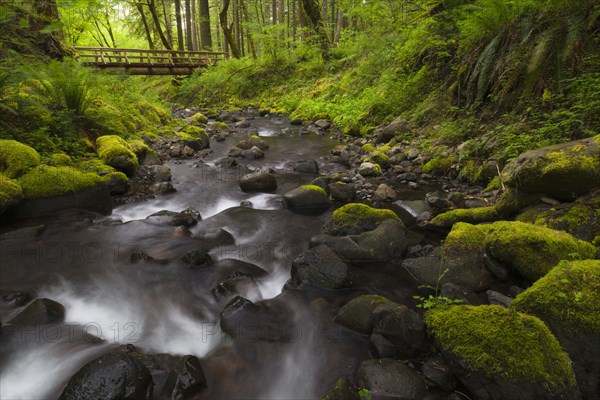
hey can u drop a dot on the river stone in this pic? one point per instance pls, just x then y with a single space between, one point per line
235 152
403 328
253 141
196 258
343 390
390 379
13 299
113 376
395 127
242 124
320 267
28 232
253 154
185 380
343 192
437 372
162 173
410 210
307 199
367 169
162 188
187 218
385 242
40 312
385 193
260 181
563 171
357 314
307 167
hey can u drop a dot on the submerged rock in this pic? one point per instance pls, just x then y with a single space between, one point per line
321 267
260 181
187 218
39 312
113 376
185 380
307 167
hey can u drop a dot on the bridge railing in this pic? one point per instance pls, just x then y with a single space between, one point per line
160 58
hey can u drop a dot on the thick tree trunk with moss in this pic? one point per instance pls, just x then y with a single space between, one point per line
313 13
205 34
46 24
155 18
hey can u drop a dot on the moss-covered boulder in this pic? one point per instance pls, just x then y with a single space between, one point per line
357 314
113 150
439 165
343 390
308 199
580 218
355 218
10 192
567 299
369 169
501 354
532 250
198 119
253 141
194 137
16 158
60 160
511 202
564 171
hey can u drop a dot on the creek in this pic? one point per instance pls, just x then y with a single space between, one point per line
286 346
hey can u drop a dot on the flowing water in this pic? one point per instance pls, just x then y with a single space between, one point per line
285 346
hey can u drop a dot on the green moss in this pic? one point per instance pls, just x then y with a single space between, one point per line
380 158
45 181
439 165
494 184
220 125
502 343
96 166
320 115
532 250
465 238
314 188
139 147
355 213
119 176
561 162
384 148
10 192
116 152
193 132
510 203
60 159
255 137
596 241
569 295
198 119
16 158
368 148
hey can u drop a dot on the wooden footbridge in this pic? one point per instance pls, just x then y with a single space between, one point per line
147 62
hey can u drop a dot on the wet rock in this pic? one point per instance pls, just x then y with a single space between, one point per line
260 181
390 379
163 188
386 134
307 167
114 376
187 151
438 200
309 199
235 152
385 193
407 176
322 124
117 185
356 218
381 347
457 292
410 211
162 173
253 154
322 183
246 203
343 192
343 390
457 199
498 299
187 218
437 373
403 328
185 380
387 241
253 141
497 269
150 158
357 314
39 312
196 258
321 267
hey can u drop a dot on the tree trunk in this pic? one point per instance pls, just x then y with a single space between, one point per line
180 45
194 26
205 35
168 24
251 45
311 9
227 30
188 25
161 35
281 11
47 14
146 26
274 12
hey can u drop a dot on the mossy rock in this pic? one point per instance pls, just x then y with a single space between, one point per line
309 199
511 202
439 165
95 165
343 390
368 148
563 171
357 314
380 158
194 137
10 193
16 158
139 147
569 295
198 119
532 250
567 299
502 354
356 218
60 160
113 150
46 181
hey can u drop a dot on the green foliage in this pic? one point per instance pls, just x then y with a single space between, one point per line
504 343
435 300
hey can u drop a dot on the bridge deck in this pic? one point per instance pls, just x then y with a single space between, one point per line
148 62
